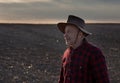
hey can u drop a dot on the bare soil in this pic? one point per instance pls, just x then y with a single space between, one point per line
32 53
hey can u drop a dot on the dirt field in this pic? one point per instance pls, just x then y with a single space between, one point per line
32 53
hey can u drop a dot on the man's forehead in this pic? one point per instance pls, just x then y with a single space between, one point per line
71 27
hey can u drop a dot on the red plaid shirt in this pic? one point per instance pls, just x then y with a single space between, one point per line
85 64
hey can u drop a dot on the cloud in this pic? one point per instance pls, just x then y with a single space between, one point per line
23 1
58 10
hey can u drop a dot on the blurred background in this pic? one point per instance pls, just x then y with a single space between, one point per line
31 46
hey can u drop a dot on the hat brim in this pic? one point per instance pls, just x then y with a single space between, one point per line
62 26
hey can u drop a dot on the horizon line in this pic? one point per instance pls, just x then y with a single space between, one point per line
56 23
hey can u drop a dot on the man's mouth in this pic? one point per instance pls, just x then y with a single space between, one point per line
67 40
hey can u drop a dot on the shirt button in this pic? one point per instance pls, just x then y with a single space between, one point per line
80 67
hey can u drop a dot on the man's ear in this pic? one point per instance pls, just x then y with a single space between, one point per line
81 34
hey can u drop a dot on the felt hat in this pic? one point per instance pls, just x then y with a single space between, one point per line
76 21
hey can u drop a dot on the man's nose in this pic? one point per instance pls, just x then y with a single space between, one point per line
65 35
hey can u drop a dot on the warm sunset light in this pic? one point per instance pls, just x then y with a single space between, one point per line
46 41
18 1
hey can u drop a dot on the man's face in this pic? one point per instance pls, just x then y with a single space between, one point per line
70 34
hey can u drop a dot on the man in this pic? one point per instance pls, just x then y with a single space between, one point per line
82 62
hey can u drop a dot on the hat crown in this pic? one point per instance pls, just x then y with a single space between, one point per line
76 20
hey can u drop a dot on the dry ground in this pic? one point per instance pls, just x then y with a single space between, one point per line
32 53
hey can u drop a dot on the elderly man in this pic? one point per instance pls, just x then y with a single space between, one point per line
82 62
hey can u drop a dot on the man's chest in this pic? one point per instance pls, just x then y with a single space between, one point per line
75 61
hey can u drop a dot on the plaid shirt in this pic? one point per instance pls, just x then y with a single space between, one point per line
85 64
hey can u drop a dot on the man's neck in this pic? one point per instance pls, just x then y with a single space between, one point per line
78 43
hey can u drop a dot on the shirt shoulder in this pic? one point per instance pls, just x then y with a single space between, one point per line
94 50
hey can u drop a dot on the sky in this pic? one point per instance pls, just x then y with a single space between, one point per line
54 11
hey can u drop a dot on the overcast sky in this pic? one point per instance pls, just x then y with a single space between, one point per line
54 11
